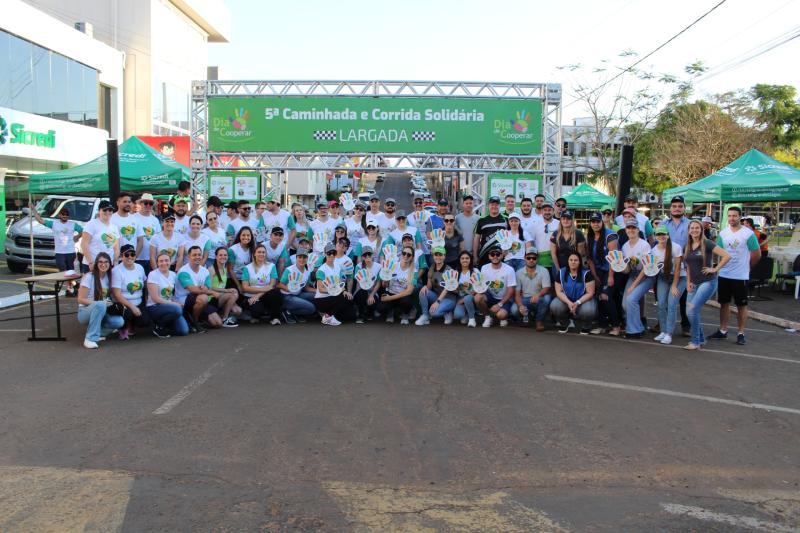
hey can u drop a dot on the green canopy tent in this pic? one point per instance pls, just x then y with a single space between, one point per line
753 177
584 196
141 168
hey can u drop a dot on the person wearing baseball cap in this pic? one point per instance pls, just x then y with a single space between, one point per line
297 290
634 250
498 298
65 235
398 293
374 210
532 293
323 227
168 242
330 276
543 230
434 299
100 235
127 290
333 211
709 228
485 230
520 239
402 228
565 240
632 203
437 219
600 241
385 221
367 298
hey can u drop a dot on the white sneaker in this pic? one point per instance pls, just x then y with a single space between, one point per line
333 322
503 323
423 320
89 344
464 320
487 322
448 319
390 318
275 322
667 339
471 323
659 337
326 320
404 320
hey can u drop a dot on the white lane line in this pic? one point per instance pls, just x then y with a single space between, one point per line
730 519
699 352
677 394
170 404
13 330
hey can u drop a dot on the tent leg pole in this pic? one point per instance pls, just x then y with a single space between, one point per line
30 227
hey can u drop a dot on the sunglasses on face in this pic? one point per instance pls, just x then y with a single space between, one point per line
561 205
449 220
129 254
359 208
365 254
390 204
244 209
534 258
495 254
407 254
147 203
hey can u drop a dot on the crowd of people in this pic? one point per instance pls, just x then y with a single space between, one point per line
183 272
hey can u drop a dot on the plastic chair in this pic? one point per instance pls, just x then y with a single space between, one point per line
794 275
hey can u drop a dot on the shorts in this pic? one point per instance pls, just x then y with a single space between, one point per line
736 288
65 262
189 303
491 301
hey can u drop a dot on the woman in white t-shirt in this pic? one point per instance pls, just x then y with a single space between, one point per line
164 310
298 226
670 282
637 286
259 283
356 227
372 239
127 288
94 301
465 305
330 275
196 237
366 299
515 256
240 254
216 235
99 235
168 242
399 290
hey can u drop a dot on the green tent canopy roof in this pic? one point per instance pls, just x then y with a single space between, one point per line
753 177
141 168
584 196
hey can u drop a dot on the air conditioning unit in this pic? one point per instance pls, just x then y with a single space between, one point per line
85 27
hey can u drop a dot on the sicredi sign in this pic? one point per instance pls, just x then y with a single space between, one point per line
31 136
375 124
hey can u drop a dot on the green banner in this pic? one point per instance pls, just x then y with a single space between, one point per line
380 124
520 185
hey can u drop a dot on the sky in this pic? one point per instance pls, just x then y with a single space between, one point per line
507 40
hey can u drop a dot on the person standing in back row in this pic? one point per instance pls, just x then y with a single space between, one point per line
65 235
742 245
466 221
485 230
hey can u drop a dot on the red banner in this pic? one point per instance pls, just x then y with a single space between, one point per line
175 147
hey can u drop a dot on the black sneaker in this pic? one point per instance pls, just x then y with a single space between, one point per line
160 333
564 329
288 317
718 335
634 335
740 340
301 319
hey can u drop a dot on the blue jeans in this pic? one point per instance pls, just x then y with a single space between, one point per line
169 316
694 304
445 306
467 308
300 304
538 310
633 321
668 304
100 324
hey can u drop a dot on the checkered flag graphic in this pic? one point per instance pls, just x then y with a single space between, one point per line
423 136
325 135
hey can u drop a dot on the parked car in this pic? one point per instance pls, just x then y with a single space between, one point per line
380 178
364 196
370 191
18 241
347 188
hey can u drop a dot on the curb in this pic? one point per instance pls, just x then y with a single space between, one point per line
17 299
761 317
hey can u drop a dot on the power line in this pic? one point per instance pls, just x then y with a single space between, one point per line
665 43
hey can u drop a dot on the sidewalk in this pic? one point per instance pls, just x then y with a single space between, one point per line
780 310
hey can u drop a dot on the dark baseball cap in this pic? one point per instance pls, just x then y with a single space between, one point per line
596 217
494 199
233 205
443 201
104 204
126 248
677 199
276 229
632 198
567 214
214 201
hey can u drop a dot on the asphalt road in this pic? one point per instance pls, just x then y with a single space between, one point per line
388 428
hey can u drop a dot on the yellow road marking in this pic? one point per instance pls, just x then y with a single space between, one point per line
374 508
59 500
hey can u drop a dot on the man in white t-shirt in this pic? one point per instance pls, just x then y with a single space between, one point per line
244 219
499 297
193 290
322 225
742 245
126 222
181 217
528 218
148 225
65 235
100 235
386 222
273 216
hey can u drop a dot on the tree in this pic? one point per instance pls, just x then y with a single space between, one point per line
623 104
692 141
778 113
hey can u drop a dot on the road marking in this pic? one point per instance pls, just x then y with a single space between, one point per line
62 499
729 519
375 508
13 330
677 394
184 393
702 350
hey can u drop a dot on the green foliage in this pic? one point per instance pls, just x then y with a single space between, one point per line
777 113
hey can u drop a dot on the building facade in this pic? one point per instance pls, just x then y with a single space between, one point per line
579 159
165 47
61 95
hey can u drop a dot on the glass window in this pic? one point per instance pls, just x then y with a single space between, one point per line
42 89
90 95
80 210
75 111
21 74
59 67
5 67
